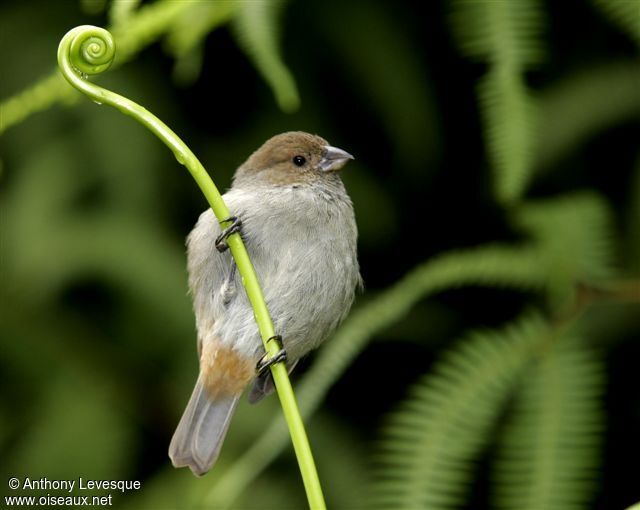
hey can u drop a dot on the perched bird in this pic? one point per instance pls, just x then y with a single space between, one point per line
297 222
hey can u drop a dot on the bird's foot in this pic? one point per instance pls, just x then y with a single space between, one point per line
265 362
234 228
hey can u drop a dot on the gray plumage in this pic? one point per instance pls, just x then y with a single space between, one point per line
299 228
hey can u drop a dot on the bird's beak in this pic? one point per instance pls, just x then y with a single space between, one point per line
333 159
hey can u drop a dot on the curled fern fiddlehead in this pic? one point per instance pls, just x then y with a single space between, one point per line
92 50
86 50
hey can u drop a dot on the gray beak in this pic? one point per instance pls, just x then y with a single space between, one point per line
333 159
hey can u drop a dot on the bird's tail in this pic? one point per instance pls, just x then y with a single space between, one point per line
199 436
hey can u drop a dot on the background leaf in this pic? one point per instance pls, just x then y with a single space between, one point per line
506 36
548 453
430 445
257 28
624 14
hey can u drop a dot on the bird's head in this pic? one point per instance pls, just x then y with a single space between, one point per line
292 158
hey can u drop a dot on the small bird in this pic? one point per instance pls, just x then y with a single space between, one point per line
298 225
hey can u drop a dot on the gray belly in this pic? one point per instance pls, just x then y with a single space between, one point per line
304 253
309 285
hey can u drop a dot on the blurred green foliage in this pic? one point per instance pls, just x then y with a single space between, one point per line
540 231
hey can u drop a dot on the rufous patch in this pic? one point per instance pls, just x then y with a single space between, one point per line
224 371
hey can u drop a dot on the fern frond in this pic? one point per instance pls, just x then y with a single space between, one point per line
568 123
624 13
505 35
548 455
499 32
501 266
146 26
36 98
508 115
192 26
142 28
574 237
257 30
121 10
432 440
185 38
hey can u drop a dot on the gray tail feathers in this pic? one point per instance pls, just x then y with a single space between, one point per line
198 438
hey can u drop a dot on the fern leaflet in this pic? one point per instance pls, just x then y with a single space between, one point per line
624 13
429 446
573 236
257 31
505 34
547 457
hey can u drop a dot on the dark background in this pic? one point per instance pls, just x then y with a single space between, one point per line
98 344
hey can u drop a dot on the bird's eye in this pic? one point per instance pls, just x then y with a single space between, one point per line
299 160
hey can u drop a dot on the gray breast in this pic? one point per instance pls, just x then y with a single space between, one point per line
302 243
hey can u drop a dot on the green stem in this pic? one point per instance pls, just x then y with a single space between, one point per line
88 50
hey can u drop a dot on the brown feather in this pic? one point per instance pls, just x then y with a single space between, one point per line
224 372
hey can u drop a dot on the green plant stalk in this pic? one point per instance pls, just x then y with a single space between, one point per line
87 50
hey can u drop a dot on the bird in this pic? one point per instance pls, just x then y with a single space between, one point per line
298 224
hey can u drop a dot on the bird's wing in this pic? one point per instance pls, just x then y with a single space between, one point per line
212 278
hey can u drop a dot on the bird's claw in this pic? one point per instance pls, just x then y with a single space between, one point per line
234 228
265 362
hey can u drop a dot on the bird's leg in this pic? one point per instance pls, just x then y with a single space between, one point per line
228 290
265 362
234 228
